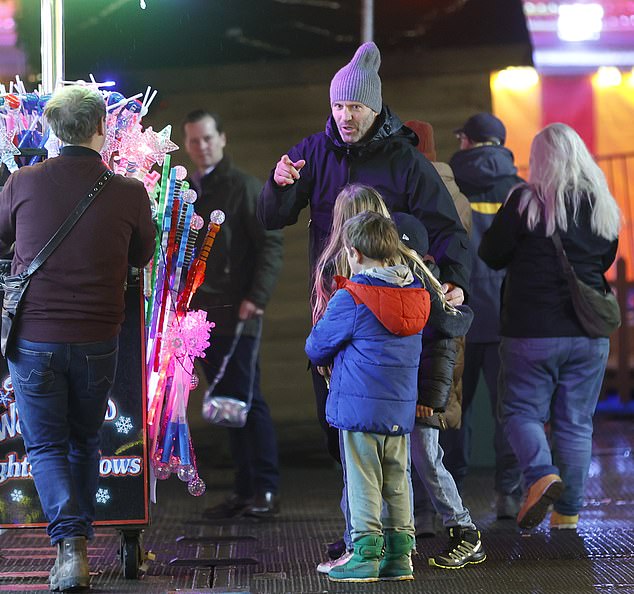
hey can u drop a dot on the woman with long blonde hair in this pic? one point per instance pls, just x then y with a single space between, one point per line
551 369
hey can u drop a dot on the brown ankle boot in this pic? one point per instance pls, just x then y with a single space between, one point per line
52 576
70 571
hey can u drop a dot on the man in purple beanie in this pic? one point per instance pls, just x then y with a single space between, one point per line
364 142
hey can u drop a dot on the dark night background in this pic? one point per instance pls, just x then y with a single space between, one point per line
115 36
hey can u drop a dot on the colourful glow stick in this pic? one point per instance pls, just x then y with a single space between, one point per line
196 274
188 199
167 271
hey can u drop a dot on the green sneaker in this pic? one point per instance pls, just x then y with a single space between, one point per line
465 547
396 564
363 565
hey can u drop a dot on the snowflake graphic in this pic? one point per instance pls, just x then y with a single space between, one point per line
124 425
17 495
5 399
102 496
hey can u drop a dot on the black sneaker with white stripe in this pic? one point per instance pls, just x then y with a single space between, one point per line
465 547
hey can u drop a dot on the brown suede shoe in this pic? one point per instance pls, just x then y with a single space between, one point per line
541 494
265 505
70 572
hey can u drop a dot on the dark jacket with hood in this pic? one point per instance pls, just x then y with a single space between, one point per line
371 334
439 357
388 162
440 347
485 174
246 259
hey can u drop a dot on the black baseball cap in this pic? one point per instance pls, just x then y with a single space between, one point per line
483 127
412 232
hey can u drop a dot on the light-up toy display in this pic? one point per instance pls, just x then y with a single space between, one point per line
175 336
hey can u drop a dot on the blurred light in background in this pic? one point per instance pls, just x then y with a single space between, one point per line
515 78
607 76
579 22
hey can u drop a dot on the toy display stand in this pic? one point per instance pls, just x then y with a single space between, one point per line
122 499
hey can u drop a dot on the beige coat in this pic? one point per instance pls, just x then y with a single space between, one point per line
453 412
452 416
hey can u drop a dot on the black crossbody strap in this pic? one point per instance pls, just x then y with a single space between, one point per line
566 266
561 253
569 271
68 224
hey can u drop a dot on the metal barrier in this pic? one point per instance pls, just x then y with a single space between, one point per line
619 375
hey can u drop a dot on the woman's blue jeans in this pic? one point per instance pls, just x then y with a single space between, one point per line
554 380
61 391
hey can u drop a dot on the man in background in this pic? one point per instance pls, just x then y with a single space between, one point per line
485 172
242 270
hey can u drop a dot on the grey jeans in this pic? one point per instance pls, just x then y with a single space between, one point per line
427 460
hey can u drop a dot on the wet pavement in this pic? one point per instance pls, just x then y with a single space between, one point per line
191 554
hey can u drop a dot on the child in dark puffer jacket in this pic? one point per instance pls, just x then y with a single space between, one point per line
435 375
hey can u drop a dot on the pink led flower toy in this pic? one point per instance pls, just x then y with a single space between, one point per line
187 337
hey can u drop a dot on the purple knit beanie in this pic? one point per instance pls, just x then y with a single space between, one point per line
359 79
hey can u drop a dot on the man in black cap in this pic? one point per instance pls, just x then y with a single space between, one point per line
485 172
481 129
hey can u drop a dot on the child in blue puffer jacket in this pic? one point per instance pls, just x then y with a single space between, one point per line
370 334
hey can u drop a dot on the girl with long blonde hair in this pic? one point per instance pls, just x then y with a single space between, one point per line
351 201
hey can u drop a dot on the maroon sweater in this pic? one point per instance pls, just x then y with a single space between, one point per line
77 295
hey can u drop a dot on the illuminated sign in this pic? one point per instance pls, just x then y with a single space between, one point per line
568 34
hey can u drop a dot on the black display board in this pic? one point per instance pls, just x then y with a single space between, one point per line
123 496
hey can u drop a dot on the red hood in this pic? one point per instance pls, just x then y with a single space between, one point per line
403 311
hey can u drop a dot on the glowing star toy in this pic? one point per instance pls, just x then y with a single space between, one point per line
159 143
